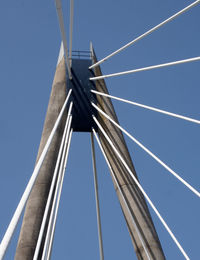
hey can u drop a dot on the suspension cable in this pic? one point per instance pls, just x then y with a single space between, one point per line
52 219
147 68
58 199
148 107
97 199
63 35
71 30
122 196
149 152
146 33
55 174
142 190
13 223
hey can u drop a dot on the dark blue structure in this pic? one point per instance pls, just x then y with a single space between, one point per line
82 96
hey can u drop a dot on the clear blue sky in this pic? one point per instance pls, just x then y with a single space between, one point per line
29 46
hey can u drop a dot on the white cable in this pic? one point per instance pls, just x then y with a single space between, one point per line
142 190
146 33
149 152
97 199
58 199
13 223
148 107
55 174
51 217
71 30
122 196
62 30
146 68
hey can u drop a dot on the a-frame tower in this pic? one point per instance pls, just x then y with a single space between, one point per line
141 228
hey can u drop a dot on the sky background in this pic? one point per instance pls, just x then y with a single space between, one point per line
29 46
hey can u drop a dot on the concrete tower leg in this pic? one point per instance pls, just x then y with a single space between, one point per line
37 201
131 192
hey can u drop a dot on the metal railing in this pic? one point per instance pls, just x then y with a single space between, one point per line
81 54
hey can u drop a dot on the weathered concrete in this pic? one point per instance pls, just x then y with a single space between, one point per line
37 201
132 194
